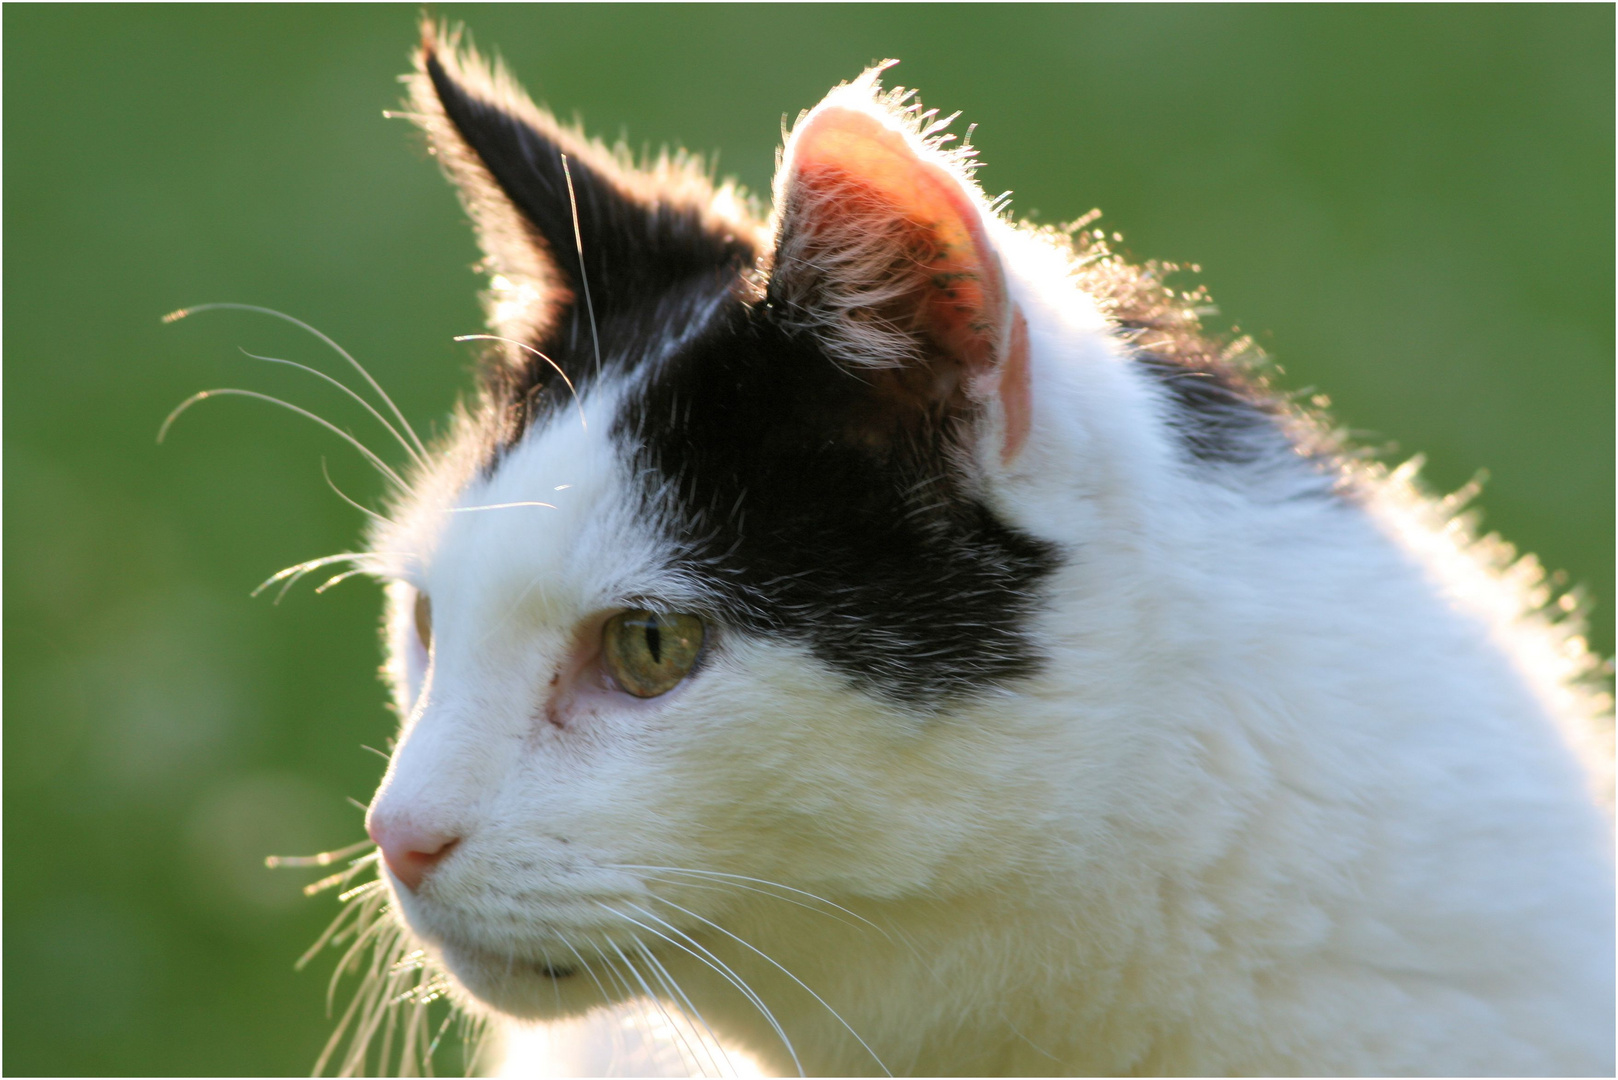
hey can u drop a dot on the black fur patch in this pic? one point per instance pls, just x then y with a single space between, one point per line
1221 407
645 250
1219 417
813 524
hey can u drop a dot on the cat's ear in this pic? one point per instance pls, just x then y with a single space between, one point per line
882 249
558 214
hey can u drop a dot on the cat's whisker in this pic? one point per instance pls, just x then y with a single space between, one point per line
231 391
688 1055
612 1000
697 950
639 1002
362 890
387 1019
337 579
429 987
583 423
578 246
342 877
497 506
175 316
299 569
438 1037
361 507
721 886
674 1017
323 884
408 984
754 880
766 957
291 575
420 461
606 998
363 1002
474 1032
672 985
336 1037
349 913
377 929
380 984
390 1006
324 858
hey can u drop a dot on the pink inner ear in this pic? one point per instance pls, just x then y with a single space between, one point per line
839 149
1016 398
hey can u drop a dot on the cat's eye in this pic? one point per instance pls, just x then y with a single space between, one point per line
648 653
424 620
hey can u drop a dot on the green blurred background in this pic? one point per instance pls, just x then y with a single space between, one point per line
1411 207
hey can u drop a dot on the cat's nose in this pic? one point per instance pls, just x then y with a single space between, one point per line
410 850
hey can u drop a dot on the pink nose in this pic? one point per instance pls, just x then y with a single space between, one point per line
410 851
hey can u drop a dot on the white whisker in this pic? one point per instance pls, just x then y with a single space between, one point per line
349 913
365 995
756 881
291 575
557 367
640 1002
720 886
324 858
784 971
673 986
377 929
383 518
688 1056
496 506
382 979
588 970
337 579
175 316
697 950
578 246
345 388
203 395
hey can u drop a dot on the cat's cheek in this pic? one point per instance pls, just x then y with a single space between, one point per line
407 657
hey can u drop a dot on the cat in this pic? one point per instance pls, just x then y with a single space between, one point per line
895 639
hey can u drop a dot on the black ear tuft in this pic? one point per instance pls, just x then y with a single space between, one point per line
641 231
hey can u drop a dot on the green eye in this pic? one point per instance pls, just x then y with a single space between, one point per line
648 653
424 620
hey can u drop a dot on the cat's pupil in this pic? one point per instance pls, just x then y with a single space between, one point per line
647 654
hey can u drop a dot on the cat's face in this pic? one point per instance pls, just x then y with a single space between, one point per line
735 587
688 593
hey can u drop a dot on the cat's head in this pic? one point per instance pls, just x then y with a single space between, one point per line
733 570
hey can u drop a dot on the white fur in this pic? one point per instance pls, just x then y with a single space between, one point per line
1300 790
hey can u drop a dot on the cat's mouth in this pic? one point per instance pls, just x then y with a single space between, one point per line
460 954
533 987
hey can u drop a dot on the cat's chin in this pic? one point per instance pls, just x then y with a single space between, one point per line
522 988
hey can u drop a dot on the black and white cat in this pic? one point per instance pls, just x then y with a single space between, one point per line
890 636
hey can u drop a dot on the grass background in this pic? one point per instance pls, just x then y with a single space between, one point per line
1411 207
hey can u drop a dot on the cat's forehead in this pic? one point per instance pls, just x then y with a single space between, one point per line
550 520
